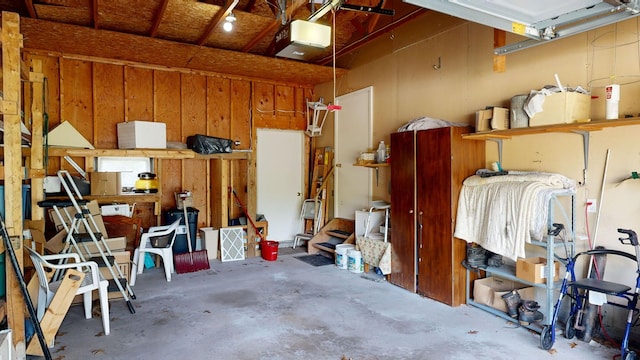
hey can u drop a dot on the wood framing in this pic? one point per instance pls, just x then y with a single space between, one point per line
11 101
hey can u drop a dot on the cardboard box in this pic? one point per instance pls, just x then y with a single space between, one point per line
55 245
123 259
105 183
116 244
489 291
495 118
534 269
94 209
563 107
142 135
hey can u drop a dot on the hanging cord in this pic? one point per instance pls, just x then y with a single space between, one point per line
333 19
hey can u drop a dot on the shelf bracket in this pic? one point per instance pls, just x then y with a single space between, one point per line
585 151
499 142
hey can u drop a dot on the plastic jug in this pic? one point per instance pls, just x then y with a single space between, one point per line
382 153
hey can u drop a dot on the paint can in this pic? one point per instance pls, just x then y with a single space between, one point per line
341 255
354 261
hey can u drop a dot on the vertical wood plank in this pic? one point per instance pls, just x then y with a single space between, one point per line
219 197
263 98
285 100
171 181
300 101
167 108
499 61
264 105
11 45
240 113
76 96
167 102
139 93
252 205
218 107
77 103
108 102
194 116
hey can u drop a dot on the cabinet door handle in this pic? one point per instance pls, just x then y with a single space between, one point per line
410 211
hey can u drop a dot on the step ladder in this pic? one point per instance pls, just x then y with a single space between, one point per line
82 229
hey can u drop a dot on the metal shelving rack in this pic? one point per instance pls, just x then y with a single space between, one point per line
550 244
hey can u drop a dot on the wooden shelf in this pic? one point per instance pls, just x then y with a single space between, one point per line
153 153
595 125
373 166
122 198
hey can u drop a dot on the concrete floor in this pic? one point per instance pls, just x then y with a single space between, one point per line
287 309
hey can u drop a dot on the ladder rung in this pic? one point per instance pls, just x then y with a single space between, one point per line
100 261
113 287
60 203
86 237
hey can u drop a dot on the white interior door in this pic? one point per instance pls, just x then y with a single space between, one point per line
280 180
352 135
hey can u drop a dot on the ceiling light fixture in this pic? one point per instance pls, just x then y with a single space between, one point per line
228 22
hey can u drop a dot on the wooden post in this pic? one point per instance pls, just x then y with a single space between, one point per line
252 204
11 45
499 61
37 172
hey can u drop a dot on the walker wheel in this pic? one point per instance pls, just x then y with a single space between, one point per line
569 329
546 339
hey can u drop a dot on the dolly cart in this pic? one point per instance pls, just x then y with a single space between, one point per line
578 291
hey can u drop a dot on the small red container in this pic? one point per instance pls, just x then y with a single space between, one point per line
269 250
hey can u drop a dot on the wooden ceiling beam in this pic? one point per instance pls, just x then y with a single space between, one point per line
373 20
295 6
249 6
158 18
94 14
356 43
30 8
82 42
216 20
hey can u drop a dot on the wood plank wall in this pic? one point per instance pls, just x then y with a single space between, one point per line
96 95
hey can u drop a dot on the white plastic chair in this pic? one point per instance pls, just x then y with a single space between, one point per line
311 210
155 233
92 281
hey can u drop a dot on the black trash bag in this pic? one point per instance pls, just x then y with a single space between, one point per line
203 144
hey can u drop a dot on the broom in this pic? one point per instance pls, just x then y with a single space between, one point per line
193 260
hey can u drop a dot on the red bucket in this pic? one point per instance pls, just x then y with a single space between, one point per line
269 250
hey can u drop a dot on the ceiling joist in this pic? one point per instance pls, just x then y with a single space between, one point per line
295 6
157 19
216 20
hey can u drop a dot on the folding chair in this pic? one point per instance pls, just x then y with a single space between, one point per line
311 211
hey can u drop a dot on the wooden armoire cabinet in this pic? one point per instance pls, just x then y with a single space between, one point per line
427 171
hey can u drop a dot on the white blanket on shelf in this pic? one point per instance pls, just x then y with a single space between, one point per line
502 213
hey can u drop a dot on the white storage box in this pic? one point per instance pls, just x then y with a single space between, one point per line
142 135
117 209
209 239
